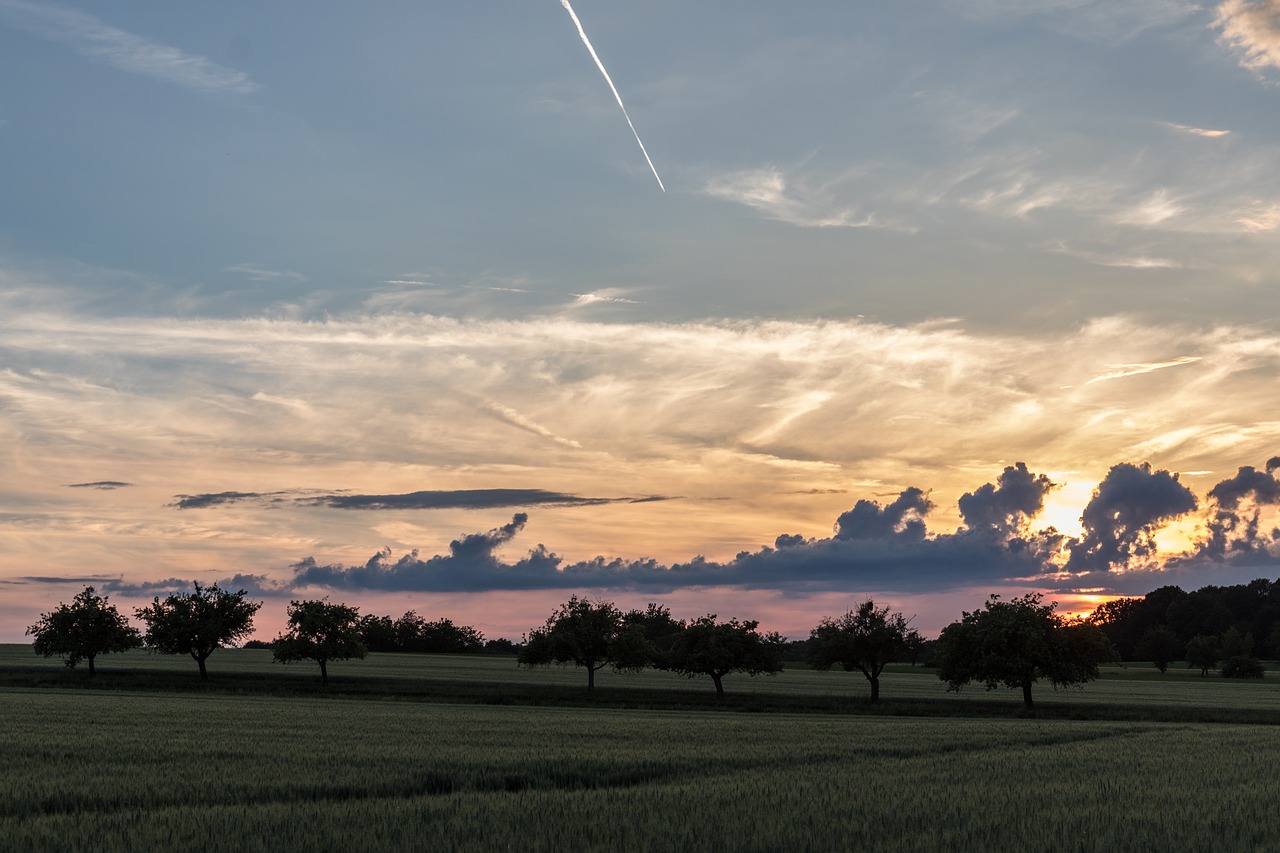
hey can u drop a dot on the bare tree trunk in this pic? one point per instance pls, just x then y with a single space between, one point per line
90 659
719 684
1026 694
875 689
324 674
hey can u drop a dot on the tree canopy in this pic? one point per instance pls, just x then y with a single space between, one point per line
1016 643
866 639
582 632
196 623
321 632
83 629
708 647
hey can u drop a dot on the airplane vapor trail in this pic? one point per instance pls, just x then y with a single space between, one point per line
583 34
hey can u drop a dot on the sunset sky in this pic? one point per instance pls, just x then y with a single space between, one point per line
382 302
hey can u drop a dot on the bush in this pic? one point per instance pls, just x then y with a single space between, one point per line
1242 666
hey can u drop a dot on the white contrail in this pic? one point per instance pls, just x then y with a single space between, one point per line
609 80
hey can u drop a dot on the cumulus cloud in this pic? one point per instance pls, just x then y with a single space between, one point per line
1006 507
1121 519
902 519
1234 527
872 545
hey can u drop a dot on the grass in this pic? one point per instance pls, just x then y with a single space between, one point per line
116 770
1124 693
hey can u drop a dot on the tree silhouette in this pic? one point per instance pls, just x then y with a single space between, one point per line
84 629
707 647
866 639
582 632
321 632
197 623
1016 643
1158 645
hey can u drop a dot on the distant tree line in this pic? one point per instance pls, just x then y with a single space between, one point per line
1012 644
1231 626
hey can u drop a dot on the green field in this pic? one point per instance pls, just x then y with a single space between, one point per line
134 762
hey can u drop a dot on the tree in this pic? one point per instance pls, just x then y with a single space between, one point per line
378 633
647 636
915 646
84 629
1203 652
707 647
197 623
582 632
1242 666
321 632
1158 645
866 639
1236 644
1016 643
445 637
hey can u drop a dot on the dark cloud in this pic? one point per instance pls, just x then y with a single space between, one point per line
873 547
87 579
104 485
215 499
444 499
468 499
1120 521
902 519
1235 525
256 586
888 550
1008 506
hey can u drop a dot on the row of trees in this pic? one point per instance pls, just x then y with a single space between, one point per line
1251 609
1007 643
1013 644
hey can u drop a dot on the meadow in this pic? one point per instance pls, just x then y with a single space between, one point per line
244 764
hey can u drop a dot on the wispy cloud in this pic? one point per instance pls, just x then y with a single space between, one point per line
606 296
768 190
257 273
1195 131
1119 371
90 36
1252 28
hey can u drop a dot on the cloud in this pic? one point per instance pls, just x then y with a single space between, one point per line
467 499
608 295
904 518
219 499
1252 29
91 37
257 273
1121 519
426 500
1234 527
768 191
1008 506
104 485
1195 131
1120 371
872 546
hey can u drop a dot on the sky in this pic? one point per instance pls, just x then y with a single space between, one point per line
388 303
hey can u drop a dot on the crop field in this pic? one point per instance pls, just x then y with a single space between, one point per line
262 759
119 770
